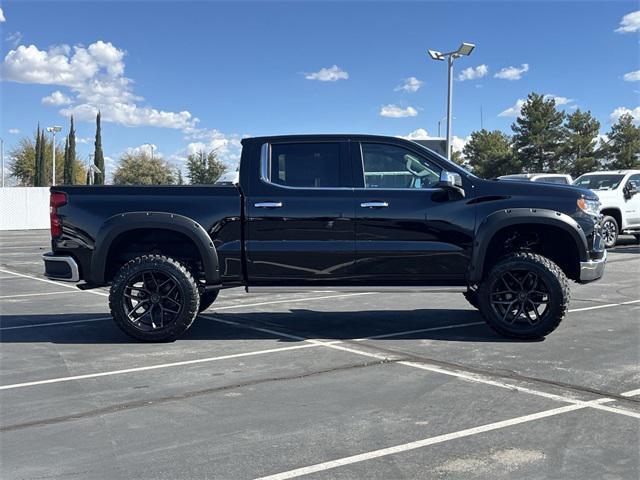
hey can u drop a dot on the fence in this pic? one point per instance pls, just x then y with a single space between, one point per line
24 208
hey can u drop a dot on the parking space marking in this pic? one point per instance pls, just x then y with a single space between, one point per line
478 378
34 294
383 452
48 324
607 305
45 280
155 367
632 393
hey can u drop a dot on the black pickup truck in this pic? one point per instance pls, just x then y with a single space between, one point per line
340 211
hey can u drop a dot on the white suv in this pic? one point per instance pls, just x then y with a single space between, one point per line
619 193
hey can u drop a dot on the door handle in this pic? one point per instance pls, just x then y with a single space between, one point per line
268 205
374 205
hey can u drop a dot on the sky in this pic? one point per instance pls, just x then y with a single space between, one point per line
185 76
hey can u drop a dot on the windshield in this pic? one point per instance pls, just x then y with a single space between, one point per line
599 182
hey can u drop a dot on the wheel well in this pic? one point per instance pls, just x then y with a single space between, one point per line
615 213
133 243
552 242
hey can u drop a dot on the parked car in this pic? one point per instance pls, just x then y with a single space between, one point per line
348 212
559 178
618 194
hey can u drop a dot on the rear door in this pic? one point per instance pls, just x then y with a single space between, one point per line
300 215
632 203
408 231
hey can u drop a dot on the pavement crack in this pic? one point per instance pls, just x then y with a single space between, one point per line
188 395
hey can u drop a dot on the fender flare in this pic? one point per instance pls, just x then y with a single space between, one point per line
500 219
123 222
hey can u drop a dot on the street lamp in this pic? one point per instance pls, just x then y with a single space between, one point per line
55 129
464 49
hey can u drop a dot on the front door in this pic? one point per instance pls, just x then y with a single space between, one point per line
300 215
408 231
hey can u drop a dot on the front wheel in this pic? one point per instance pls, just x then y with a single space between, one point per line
524 296
609 231
154 298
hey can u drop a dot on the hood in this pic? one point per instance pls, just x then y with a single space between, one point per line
607 196
535 189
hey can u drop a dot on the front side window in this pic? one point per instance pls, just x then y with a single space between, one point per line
311 165
599 181
388 166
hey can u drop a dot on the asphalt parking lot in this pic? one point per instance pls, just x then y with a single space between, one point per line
322 385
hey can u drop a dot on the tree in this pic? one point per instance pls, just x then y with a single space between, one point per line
203 168
622 148
69 156
138 168
578 150
37 175
538 134
98 157
490 154
22 162
179 179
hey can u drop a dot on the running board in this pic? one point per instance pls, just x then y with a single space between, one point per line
383 289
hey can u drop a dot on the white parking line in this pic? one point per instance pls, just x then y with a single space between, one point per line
48 324
608 305
340 462
33 294
433 368
45 280
154 367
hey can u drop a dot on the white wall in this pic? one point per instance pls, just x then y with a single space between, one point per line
24 208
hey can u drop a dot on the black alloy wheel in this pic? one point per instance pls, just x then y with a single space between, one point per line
152 300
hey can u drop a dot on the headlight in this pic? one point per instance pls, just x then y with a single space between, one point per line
590 207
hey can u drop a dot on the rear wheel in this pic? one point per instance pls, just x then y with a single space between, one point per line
609 231
524 296
154 299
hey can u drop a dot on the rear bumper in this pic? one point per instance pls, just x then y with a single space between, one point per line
593 269
60 267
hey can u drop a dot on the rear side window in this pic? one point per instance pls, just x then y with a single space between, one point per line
311 165
562 180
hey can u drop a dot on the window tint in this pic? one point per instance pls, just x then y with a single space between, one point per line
388 166
599 181
634 180
305 164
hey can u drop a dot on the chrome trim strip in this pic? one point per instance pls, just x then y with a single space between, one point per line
374 204
593 269
73 266
268 204
380 289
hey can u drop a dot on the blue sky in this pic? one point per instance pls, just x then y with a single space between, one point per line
188 75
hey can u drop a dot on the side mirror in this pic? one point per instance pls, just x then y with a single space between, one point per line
632 189
451 181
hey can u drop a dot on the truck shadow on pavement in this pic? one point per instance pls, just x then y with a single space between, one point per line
336 325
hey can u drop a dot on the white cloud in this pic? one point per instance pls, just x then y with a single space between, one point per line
394 111
14 39
56 98
14 131
2 19
629 23
95 75
331 74
618 112
458 143
512 73
417 134
513 111
145 148
473 73
632 76
84 140
557 99
410 85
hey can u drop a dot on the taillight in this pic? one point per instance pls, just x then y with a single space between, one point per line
56 200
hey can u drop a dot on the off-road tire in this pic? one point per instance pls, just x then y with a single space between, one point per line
184 283
472 298
610 241
206 299
555 283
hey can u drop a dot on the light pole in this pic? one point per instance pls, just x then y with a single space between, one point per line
464 49
55 129
151 147
439 122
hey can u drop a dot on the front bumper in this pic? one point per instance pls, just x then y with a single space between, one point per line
593 269
61 267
